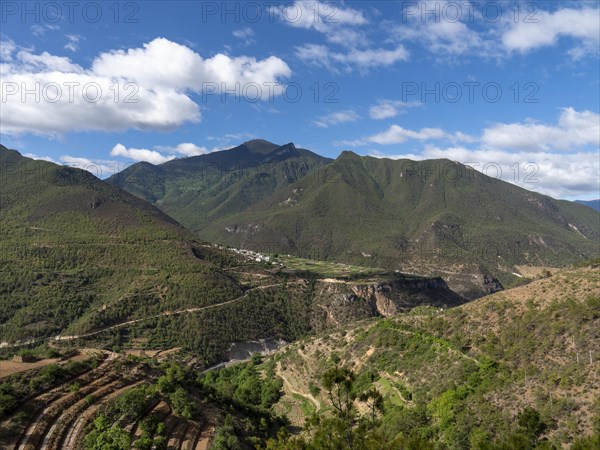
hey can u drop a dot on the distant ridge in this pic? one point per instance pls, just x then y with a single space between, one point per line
595 204
435 217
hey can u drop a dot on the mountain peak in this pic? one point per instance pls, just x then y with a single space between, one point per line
348 154
260 146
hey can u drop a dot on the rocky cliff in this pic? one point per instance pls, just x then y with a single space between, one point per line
339 302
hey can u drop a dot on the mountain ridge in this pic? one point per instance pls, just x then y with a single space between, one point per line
431 216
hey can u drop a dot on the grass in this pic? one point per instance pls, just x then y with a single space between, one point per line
389 393
305 405
327 269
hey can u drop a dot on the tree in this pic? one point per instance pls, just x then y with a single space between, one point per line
374 401
339 383
107 437
530 420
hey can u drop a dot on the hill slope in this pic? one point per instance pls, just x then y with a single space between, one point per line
468 376
78 253
435 217
86 263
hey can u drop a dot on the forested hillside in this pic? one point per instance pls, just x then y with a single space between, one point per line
517 369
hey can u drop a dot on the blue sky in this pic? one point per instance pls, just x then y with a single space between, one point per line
502 86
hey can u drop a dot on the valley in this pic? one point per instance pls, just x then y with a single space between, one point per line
120 326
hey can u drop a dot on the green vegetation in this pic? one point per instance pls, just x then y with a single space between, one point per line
201 190
367 211
244 384
105 436
80 255
503 372
326 268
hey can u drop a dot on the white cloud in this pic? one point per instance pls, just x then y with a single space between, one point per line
99 168
231 139
339 24
141 88
445 39
524 154
161 154
574 129
42 158
385 109
167 64
321 55
140 154
470 34
396 134
557 175
186 149
40 30
72 42
245 34
582 25
326 18
336 118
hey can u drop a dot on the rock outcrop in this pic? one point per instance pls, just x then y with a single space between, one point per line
339 302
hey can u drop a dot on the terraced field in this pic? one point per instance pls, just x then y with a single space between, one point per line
59 418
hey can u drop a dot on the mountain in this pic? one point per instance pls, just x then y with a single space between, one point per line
595 204
85 261
434 217
78 253
200 190
516 369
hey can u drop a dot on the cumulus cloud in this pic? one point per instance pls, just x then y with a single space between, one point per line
449 31
186 149
560 160
574 129
557 175
140 88
336 118
161 154
582 25
140 154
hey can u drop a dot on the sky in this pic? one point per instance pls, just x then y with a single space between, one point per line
509 88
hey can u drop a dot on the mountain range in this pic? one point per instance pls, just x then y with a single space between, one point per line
434 217
591 203
86 264
85 260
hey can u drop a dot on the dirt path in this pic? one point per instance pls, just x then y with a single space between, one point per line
394 388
